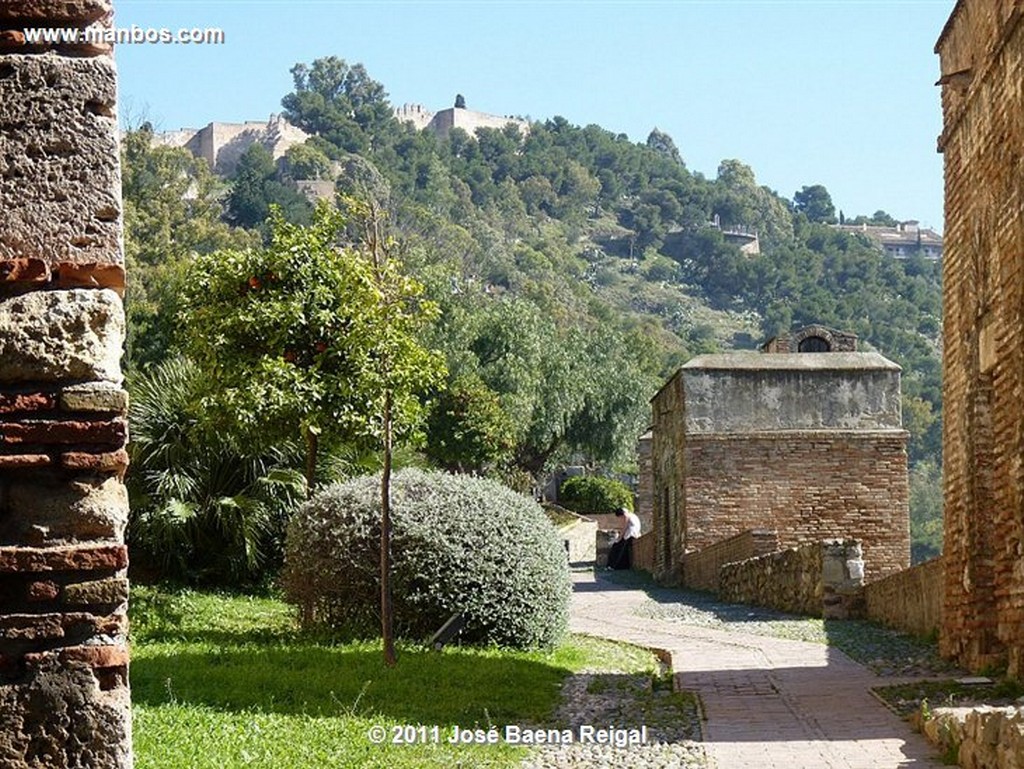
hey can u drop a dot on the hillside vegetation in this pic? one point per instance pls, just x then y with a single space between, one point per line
574 270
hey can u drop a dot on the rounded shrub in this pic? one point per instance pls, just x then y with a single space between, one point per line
591 494
460 545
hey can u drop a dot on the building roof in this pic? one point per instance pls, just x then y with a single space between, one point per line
904 234
793 361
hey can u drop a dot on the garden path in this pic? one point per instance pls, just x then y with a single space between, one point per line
769 703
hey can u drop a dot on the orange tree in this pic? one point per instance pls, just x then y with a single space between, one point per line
310 337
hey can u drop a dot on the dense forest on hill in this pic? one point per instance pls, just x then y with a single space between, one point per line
574 270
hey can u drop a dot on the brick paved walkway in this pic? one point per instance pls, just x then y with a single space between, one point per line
770 703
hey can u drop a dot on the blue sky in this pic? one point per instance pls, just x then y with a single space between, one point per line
804 91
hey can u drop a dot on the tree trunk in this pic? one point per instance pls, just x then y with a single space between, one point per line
386 606
312 436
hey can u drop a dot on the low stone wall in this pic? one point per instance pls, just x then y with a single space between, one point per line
701 569
980 738
643 553
605 539
819 579
580 540
909 600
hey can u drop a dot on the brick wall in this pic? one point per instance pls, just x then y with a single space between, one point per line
805 485
644 502
982 60
701 569
667 479
64 699
643 553
909 600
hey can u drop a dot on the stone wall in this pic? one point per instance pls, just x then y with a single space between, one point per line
818 579
701 569
909 600
982 737
222 145
442 123
982 61
64 699
580 540
643 553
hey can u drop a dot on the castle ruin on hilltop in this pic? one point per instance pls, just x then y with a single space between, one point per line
441 123
222 145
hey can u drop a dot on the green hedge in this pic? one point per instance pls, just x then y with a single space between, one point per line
459 545
591 494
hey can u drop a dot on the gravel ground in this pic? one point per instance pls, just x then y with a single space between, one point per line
625 702
886 652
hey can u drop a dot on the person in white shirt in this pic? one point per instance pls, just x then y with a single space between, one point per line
621 555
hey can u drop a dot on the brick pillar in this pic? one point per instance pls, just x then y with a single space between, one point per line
64 699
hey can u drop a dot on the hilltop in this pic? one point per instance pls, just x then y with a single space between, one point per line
576 268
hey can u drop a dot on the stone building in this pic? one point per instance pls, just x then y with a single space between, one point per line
903 240
222 145
442 122
981 54
809 445
64 699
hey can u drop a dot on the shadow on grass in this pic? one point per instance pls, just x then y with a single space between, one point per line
455 686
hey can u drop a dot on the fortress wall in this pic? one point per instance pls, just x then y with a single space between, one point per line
982 60
64 698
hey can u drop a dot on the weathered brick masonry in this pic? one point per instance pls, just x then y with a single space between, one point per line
703 567
64 699
805 486
807 445
982 60
909 600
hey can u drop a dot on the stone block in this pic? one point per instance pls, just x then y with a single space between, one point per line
60 511
31 627
92 275
12 403
51 432
105 462
63 717
59 159
24 271
24 461
72 627
50 559
54 336
100 592
103 397
56 11
93 656
42 591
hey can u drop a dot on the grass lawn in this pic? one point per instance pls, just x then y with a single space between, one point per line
226 681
